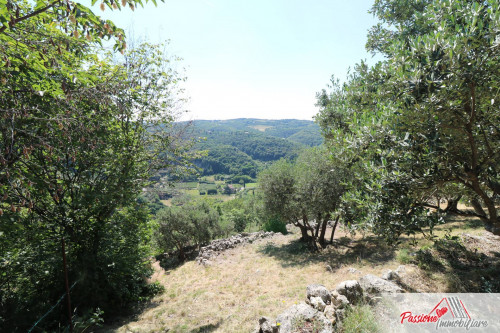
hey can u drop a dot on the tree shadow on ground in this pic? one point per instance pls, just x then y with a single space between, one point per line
126 316
342 252
466 268
169 261
207 328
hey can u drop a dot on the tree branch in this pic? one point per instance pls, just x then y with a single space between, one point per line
20 19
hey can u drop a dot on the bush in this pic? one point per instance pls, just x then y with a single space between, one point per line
403 256
192 224
211 191
276 225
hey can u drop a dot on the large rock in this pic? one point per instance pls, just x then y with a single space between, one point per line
318 290
391 275
330 314
265 324
317 303
303 316
339 301
401 270
374 285
352 290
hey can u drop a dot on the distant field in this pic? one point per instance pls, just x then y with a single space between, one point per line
261 128
187 185
193 189
167 203
192 192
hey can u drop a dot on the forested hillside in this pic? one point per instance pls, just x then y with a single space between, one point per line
305 132
244 146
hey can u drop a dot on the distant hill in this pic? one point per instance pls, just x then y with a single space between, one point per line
305 132
244 146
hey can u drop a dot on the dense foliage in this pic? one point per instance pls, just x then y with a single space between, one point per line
192 224
246 146
304 132
222 159
309 189
425 120
80 136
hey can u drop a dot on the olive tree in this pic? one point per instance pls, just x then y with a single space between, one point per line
424 119
308 189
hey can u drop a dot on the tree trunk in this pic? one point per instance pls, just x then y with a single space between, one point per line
452 205
303 230
66 282
318 222
334 228
491 222
305 221
304 227
182 255
323 232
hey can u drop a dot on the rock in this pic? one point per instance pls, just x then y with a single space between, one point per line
391 275
401 270
317 303
302 314
353 270
339 301
330 314
318 290
265 325
374 285
340 314
219 245
352 290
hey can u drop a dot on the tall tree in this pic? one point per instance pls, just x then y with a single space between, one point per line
427 116
80 136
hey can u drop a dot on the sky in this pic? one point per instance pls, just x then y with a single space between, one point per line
254 59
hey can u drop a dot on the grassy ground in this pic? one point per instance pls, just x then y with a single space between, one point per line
266 277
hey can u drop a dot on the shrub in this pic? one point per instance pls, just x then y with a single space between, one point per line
404 256
276 225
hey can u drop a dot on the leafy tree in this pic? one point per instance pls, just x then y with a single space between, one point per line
299 192
238 218
70 17
80 136
278 186
319 188
424 119
174 230
193 224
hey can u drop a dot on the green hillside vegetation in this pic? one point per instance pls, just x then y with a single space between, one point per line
98 185
226 159
245 146
281 128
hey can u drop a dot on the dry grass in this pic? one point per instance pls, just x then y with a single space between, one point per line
266 277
